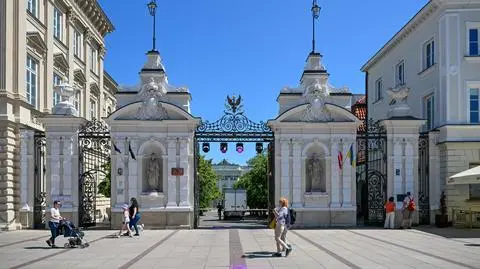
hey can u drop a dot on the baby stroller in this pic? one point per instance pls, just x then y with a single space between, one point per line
75 235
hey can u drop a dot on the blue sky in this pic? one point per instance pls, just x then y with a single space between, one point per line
249 47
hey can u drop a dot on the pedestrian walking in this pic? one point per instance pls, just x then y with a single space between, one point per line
219 211
54 222
134 213
125 222
408 209
281 215
390 213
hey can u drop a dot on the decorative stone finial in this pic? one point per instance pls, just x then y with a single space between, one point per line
398 103
65 106
316 96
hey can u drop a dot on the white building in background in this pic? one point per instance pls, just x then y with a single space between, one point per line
228 173
42 44
437 56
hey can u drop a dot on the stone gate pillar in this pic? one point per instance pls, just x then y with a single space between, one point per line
402 160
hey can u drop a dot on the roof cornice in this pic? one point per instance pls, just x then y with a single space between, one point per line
414 23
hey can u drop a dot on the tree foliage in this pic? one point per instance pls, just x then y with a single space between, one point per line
105 186
255 182
207 182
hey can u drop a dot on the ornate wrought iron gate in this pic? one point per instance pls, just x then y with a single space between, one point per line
234 126
423 180
39 187
94 153
372 172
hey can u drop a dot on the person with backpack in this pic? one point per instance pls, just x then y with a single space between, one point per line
408 209
281 215
291 217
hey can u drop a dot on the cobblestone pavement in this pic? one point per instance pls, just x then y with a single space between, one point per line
248 248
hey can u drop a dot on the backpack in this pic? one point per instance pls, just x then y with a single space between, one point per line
292 216
411 205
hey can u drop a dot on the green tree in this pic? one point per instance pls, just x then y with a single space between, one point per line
105 186
255 182
208 182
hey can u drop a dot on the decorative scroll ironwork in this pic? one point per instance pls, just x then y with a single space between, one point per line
39 185
372 172
423 180
94 153
234 125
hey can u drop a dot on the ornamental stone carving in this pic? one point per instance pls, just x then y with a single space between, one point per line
150 94
65 106
315 175
398 103
316 96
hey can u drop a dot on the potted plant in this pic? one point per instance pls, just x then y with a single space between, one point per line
441 221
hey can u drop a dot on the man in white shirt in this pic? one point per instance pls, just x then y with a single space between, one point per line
54 222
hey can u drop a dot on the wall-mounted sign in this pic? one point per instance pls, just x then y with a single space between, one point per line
177 171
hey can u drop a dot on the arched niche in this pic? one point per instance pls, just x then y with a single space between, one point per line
152 167
315 168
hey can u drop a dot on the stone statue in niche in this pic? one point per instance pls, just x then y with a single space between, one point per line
153 173
314 175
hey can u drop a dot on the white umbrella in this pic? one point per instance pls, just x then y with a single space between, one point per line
470 176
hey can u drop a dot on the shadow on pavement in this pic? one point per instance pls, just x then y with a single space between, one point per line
451 232
472 245
259 254
46 247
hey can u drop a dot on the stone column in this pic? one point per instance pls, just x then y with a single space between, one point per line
53 143
335 173
101 98
86 56
47 103
68 142
436 183
184 183
285 167
172 180
346 185
402 151
26 174
118 184
132 172
297 173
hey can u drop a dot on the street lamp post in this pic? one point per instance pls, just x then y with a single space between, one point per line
315 15
152 8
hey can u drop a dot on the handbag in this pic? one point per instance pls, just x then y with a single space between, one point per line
272 224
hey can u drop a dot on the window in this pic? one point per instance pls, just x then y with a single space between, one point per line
429 107
57 80
31 81
32 7
474 189
473 42
57 23
93 60
77 44
76 102
474 106
378 89
400 74
428 54
93 109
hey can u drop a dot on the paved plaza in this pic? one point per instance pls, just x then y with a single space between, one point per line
248 248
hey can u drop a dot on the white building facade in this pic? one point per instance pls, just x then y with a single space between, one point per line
43 44
436 58
228 173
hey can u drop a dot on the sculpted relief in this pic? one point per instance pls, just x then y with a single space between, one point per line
153 174
315 175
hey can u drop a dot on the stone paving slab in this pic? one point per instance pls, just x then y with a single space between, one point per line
247 248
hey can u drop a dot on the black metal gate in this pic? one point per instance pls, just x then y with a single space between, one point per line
423 180
94 154
372 172
39 183
234 126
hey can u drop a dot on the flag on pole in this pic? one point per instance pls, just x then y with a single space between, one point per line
340 160
130 150
351 156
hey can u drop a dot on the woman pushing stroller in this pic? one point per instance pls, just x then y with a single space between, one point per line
54 222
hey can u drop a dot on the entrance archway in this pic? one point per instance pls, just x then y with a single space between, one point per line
234 126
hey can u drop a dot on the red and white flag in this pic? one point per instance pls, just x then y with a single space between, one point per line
340 160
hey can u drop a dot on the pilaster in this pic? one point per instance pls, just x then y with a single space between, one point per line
297 173
285 167
346 185
172 180
184 157
133 183
46 104
336 146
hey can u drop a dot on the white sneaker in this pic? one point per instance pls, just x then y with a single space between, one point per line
140 227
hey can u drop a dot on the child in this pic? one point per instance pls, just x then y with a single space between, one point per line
390 210
126 221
